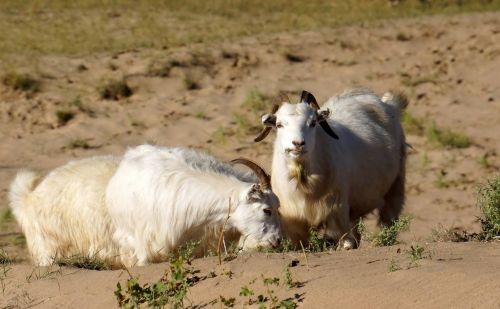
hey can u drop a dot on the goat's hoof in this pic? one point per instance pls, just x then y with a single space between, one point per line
348 245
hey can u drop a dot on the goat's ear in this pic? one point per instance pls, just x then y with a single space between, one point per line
322 120
323 115
254 193
269 120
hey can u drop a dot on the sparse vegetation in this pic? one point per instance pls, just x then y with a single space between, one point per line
79 143
171 289
403 37
411 124
5 258
446 137
6 217
388 235
317 243
39 273
452 234
393 266
167 24
190 83
293 57
416 253
489 204
114 89
412 82
201 115
257 102
21 82
63 116
82 261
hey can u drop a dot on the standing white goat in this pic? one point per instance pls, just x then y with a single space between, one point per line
331 166
159 198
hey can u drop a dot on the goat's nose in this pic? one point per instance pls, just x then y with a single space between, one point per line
299 143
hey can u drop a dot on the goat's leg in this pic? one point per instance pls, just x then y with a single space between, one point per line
338 226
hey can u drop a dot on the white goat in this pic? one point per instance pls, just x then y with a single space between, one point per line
159 198
329 178
64 214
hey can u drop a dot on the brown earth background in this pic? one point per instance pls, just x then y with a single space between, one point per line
206 88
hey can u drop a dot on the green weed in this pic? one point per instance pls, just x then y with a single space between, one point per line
387 236
21 82
446 137
113 89
83 261
489 204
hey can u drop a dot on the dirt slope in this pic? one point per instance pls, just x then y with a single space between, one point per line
448 65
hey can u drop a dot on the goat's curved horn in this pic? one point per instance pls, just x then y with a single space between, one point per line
280 98
327 129
264 178
262 134
308 98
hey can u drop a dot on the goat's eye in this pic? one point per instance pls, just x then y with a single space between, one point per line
268 212
279 125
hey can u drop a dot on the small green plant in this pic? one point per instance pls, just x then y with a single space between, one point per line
484 162
416 253
78 143
4 272
440 233
63 116
5 258
190 83
256 102
489 204
288 281
187 250
227 302
6 217
114 90
317 243
21 82
387 236
83 261
412 82
293 57
171 289
446 137
403 37
201 115
39 273
393 266
411 124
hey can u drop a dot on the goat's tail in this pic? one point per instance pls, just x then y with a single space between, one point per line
23 184
396 99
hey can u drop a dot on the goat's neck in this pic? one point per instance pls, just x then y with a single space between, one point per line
216 200
308 176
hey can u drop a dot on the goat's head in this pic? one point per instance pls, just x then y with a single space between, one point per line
296 124
256 216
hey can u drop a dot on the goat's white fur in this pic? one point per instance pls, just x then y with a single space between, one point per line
64 215
175 195
159 198
335 182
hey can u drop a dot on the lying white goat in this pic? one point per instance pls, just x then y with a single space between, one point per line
159 198
64 214
333 165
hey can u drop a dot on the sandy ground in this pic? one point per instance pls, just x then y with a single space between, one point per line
448 66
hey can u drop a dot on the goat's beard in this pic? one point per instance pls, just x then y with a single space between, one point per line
297 170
